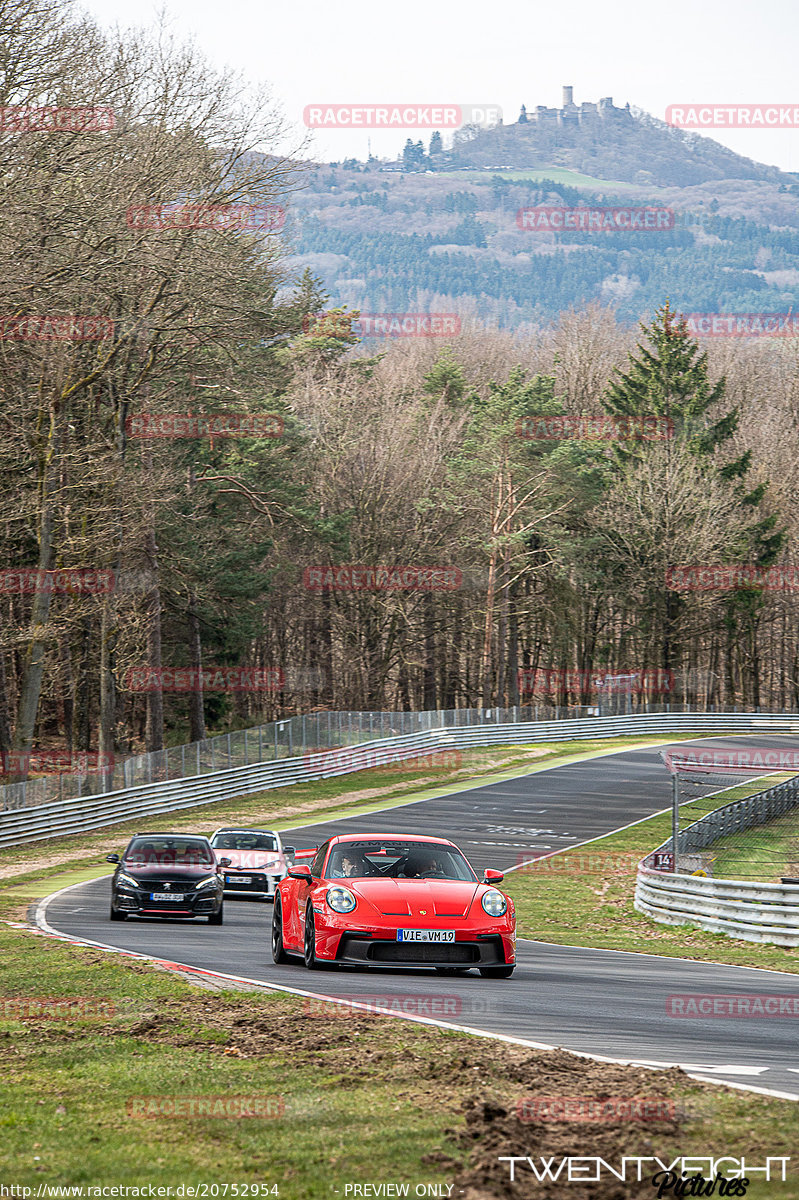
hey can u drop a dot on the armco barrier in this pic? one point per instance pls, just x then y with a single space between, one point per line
752 911
35 823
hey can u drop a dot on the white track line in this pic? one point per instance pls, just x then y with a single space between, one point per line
44 927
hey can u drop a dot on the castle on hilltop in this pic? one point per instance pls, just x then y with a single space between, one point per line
573 114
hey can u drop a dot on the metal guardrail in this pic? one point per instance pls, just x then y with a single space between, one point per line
278 740
171 795
293 736
755 912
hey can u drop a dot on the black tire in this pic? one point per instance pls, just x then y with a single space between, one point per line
309 941
116 916
278 953
218 917
497 972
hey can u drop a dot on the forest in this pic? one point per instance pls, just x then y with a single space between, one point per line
217 511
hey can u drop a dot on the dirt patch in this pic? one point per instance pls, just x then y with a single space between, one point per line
489 1088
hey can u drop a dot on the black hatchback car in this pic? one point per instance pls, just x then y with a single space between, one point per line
167 875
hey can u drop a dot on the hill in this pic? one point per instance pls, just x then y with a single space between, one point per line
445 237
623 144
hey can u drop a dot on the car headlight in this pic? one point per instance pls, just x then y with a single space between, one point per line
341 899
209 881
494 903
128 880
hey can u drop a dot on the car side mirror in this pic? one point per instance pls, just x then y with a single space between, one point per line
114 858
302 871
490 876
225 862
289 850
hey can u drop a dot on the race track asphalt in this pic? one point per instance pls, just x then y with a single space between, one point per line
597 1002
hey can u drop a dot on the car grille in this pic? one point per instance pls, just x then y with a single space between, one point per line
424 952
255 883
181 886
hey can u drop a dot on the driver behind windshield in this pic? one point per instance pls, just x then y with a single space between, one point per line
349 864
423 865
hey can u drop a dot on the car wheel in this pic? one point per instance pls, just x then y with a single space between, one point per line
217 918
116 916
278 953
309 941
497 972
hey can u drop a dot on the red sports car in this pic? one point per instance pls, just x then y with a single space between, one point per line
401 900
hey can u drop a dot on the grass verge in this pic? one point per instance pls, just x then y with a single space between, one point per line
768 852
584 897
358 1099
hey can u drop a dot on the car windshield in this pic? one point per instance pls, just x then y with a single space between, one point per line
244 841
395 859
168 852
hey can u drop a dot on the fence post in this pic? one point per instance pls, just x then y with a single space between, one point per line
229 754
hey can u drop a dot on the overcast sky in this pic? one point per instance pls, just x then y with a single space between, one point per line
652 55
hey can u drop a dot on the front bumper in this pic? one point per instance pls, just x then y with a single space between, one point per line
259 884
139 903
482 950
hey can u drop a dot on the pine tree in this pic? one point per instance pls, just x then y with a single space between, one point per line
668 377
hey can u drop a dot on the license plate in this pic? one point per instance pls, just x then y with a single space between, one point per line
237 879
167 896
425 935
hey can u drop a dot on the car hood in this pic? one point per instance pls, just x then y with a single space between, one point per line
416 897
